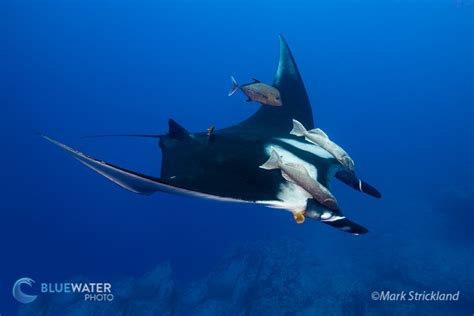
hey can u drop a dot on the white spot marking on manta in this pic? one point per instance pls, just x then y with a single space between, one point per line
293 196
326 215
308 147
360 186
313 214
334 218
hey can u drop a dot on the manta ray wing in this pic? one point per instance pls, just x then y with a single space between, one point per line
133 181
276 121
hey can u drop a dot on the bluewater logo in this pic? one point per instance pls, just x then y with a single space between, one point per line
91 291
18 293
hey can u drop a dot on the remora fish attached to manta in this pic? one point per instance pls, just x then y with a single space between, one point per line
213 173
298 174
258 92
318 137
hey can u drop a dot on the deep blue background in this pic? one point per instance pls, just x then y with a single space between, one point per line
392 82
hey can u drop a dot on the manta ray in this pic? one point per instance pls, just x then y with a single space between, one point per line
224 165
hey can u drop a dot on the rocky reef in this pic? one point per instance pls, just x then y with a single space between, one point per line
454 209
282 277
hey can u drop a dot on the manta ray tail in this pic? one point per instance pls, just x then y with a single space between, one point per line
130 180
175 131
234 87
124 135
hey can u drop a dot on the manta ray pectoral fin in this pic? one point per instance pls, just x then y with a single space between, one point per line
275 121
346 225
130 180
351 180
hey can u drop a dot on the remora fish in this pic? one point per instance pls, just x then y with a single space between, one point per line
226 169
298 174
318 137
258 92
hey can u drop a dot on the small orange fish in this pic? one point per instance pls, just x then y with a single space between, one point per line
299 217
258 92
210 130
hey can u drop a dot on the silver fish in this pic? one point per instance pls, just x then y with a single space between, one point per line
318 137
258 92
298 174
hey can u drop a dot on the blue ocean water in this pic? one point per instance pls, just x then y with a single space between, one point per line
392 81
